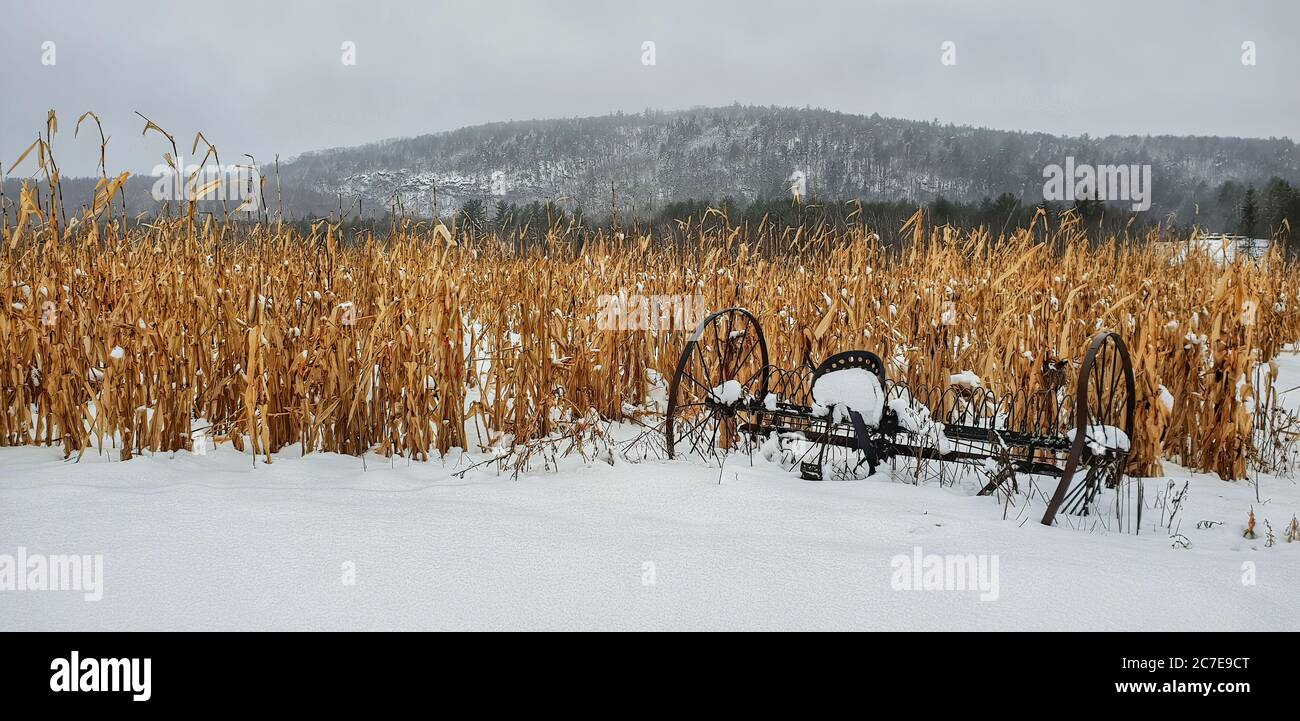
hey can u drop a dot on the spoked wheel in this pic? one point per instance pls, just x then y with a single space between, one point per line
723 367
1103 432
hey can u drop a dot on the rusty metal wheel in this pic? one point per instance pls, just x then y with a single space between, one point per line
1103 430
722 372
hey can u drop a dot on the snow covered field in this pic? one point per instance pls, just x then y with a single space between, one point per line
210 542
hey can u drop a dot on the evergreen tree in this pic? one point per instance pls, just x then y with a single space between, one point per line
473 215
1249 213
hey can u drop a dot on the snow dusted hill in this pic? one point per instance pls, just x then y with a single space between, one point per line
739 152
330 542
746 152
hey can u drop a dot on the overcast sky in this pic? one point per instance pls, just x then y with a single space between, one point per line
266 76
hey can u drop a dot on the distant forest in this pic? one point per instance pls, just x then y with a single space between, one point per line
661 167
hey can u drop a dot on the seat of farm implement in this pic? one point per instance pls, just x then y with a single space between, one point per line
844 417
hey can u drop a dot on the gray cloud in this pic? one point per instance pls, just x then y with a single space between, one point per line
266 77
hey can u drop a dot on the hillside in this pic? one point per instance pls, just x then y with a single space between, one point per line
656 157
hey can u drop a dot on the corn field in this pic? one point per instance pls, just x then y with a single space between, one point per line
140 335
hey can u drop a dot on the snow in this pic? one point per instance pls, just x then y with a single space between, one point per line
915 418
220 541
965 378
1288 380
1220 248
1167 399
855 389
212 542
727 393
1102 438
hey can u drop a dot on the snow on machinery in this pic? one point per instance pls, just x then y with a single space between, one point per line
843 417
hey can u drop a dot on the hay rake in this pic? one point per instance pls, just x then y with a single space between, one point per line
724 394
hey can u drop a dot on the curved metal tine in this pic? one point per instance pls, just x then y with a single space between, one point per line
804 375
1019 412
975 408
988 407
1070 505
801 380
933 400
966 405
774 383
777 383
950 402
940 406
919 394
1080 495
1006 408
998 403
783 387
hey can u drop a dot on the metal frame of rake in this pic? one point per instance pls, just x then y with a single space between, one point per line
1001 436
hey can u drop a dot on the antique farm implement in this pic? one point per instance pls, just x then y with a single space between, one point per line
844 416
